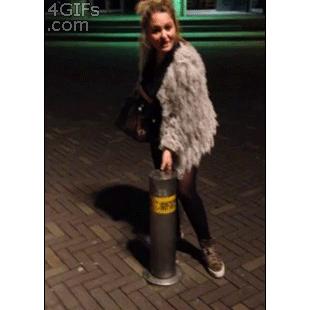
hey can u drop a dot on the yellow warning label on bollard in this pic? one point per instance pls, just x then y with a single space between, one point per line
163 205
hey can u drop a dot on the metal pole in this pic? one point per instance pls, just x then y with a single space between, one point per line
163 270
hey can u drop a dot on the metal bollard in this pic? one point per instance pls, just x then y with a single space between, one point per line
163 270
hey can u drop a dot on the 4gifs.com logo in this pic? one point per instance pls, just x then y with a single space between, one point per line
74 10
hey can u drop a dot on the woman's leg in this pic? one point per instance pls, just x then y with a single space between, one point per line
193 205
196 213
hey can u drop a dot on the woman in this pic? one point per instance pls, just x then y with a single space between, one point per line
173 82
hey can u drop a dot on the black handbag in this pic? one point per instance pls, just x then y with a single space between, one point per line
134 118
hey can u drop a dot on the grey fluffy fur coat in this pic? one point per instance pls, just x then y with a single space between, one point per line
188 117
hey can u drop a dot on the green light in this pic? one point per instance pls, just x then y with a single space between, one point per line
132 47
178 5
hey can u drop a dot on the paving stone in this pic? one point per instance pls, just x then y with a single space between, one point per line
67 244
86 245
101 233
83 277
135 265
116 234
103 263
260 273
173 290
252 265
86 232
240 307
251 192
199 305
238 296
249 247
224 208
255 300
119 265
198 290
61 277
55 271
159 302
57 307
85 261
54 229
87 301
188 282
52 259
69 230
260 308
140 301
110 250
104 299
192 273
98 247
130 287
122 300
233 247
85 208
101 280
219 306
178 303
109 286
250 278
68 259
234 279
50 298
63 293
218 293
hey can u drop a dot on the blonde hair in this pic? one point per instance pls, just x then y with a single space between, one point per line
146 8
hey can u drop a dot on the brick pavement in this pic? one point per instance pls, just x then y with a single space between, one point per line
95 177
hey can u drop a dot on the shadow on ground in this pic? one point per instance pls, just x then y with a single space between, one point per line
125 203
131 204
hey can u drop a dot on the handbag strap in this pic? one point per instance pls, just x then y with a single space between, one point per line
144 94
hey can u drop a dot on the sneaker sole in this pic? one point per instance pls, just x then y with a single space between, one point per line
217 274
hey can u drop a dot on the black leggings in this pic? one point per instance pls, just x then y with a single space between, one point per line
191 201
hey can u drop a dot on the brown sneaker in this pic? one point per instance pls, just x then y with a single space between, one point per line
212 258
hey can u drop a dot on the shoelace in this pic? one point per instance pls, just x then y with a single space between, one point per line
213 256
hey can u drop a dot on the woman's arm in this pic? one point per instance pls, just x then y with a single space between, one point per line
166 161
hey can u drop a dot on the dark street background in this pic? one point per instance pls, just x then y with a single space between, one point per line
84 80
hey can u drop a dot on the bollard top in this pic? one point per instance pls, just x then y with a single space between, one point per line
159 175
162 183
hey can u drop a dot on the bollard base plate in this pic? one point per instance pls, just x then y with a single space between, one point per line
165 282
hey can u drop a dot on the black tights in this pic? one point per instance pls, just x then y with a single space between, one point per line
187 193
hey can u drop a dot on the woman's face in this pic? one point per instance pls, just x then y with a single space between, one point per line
161 33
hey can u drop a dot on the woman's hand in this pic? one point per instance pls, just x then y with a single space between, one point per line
166 161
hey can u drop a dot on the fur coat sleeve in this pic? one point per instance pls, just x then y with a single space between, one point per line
188 117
